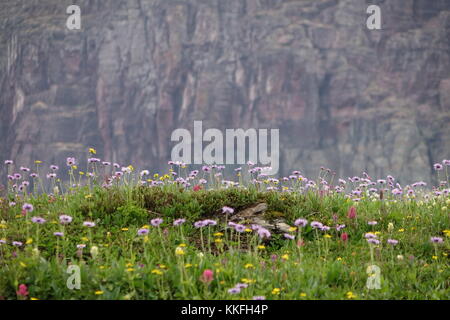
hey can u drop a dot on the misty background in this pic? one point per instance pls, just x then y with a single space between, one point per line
343 97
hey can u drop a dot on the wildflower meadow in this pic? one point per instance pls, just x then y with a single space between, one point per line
109 231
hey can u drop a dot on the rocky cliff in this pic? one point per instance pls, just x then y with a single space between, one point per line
343 96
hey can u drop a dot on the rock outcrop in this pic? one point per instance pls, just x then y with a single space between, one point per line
343 96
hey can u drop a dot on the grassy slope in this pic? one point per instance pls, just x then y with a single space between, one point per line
129 266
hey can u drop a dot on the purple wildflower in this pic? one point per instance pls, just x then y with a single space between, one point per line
179 222
89 224
65 219
301 222
226 209
156 222
289 236
28 207
38 220
142 231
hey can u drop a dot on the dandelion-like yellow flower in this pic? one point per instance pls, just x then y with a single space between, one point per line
248 230
99 292
302 294
285 257
218 240
29 241
327 236
276 291
22 264
124 229
218 234
351 295
249 266
188 265
179 251
130 269
92 150
292 229
261 247
37 161
401 230
248 281
157 272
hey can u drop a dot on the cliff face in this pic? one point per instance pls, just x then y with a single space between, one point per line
342 96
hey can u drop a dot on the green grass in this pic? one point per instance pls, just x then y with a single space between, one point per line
129 266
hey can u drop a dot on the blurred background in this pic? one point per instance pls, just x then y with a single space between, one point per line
343 97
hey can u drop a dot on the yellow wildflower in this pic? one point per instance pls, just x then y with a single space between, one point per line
99 292
351 295
179 251
276 291
92 150
249 266
157 272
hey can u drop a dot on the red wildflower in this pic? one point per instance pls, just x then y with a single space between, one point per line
23 290
197 187
207 276
351 213
344 236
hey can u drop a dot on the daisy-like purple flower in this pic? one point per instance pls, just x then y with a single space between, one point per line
81 246
209 222
241 285
89 224
301 222
239 228
263 233
234 290
339 227
28 207
373 241
199 224
156 222
436 239
24 169
226 209
65 219
58 234
259 298
142 232
51 175
54 167
17 243
316 225
370 235
71 161
2 241
17 176
372 223
179 222
8 162
38 220
392 242
325 228
437 166
289 236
